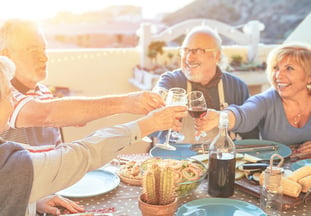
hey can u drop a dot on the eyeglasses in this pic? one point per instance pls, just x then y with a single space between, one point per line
33 51
185 51
36 51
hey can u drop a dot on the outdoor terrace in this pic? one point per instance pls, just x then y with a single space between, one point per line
92 72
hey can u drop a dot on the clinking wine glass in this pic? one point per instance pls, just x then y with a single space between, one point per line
176 136
175 97
161 91
197 107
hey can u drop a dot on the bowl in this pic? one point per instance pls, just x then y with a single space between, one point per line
189 172
187 187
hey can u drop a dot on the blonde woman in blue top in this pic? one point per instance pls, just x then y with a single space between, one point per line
282 113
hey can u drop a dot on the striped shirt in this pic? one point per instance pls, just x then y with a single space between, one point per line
32 135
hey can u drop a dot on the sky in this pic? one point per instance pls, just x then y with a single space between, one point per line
40 9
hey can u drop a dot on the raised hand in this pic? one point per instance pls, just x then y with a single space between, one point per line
143 102
163 119
208 121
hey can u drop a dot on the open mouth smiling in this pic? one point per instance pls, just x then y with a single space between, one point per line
192 65
282 85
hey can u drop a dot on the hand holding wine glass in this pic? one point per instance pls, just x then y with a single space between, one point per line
175 97
161 91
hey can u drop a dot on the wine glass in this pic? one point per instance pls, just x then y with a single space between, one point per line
175 97
197 107
175 136
161 91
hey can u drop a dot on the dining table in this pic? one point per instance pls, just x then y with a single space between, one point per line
123 200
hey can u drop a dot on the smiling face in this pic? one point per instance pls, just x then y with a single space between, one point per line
289 70
290 78
26 47
200 66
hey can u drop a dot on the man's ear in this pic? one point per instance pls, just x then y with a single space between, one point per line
218 56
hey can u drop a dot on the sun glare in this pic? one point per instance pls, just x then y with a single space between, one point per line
40 9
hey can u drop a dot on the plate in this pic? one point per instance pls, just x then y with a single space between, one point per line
282 150
93 183
219 207
183 151
301 163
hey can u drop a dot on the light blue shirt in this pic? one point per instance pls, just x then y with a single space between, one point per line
266 110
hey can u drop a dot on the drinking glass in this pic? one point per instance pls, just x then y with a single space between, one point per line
175 97
175 136
197 107
161 91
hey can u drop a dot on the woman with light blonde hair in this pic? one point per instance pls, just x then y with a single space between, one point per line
282 113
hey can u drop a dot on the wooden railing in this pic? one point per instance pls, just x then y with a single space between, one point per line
250 35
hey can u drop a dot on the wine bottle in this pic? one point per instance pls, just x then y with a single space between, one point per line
222 155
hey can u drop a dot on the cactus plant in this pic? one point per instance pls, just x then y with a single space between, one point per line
159 185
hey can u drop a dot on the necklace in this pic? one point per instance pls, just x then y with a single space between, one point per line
297 119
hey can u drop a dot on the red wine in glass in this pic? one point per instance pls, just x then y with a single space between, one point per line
197 112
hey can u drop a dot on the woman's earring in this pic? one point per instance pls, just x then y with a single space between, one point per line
309 87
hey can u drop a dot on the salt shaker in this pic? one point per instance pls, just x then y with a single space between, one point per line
271 197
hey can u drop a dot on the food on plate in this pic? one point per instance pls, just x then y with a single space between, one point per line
188 173
256 176
130 173
185 170
239 174
300 173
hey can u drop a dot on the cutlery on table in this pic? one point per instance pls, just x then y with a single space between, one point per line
255 148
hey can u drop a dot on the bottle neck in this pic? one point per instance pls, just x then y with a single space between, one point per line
222 142
223 130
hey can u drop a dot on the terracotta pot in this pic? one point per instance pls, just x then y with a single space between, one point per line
154 210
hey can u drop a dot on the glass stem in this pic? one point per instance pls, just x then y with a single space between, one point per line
167 142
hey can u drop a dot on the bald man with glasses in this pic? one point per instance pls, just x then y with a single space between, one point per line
201 70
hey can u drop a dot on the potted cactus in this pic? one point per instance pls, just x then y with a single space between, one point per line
159 196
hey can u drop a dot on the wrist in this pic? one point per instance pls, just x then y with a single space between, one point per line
145 127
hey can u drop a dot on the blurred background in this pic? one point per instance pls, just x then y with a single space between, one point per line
114 23
88 39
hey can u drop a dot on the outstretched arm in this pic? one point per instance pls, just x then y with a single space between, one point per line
211 120
70 111
67 163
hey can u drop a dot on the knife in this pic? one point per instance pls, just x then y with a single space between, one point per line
257 148
253 166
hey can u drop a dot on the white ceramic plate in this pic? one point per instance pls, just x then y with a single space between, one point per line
93 183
